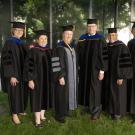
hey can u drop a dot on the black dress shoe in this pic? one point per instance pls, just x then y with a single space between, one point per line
95 116
39 125
96 112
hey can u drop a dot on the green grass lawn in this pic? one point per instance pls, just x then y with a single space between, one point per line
76 125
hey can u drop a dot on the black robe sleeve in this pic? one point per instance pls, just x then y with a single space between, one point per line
8 62
103 55
125 69
29 69
131 46
80 50
58 63
79 54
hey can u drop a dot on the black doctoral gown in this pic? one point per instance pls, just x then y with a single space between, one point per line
120 67
64 65
12 63
38 69
92 56
131 82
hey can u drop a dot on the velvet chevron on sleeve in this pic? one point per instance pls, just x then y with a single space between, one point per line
12 65
125 64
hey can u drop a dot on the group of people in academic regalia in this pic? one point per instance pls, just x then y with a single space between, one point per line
95 74
26 72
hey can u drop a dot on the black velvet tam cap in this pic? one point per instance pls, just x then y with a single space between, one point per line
41 32
68 28
18 25
112 30
91 21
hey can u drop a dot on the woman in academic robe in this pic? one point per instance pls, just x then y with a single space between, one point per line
12 63
38 74
65 75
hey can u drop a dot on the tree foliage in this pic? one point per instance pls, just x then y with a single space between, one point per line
72 12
